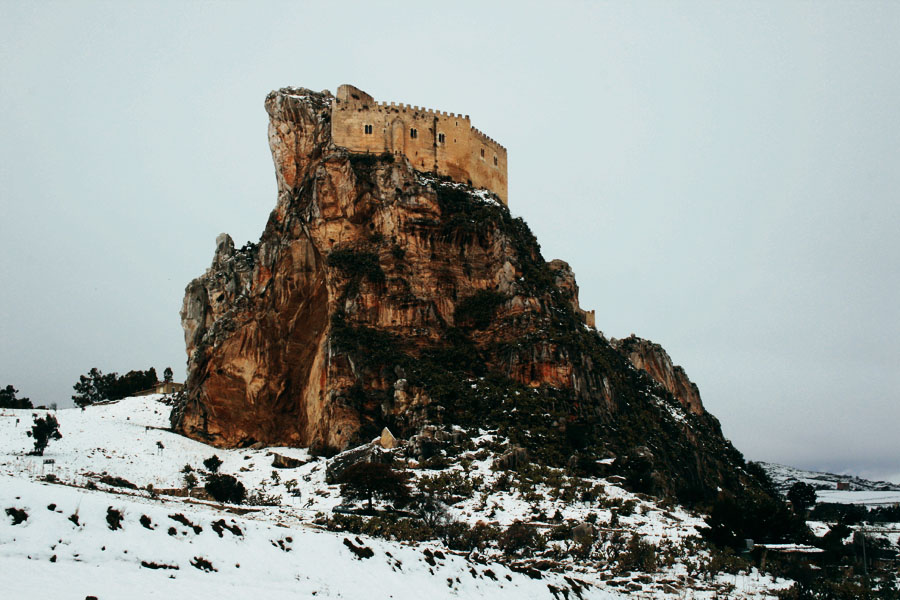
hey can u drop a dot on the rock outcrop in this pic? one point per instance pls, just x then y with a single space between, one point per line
379 296
654 360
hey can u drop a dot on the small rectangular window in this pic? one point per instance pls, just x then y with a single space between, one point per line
482 153
413 133
495 161
367 129
440 138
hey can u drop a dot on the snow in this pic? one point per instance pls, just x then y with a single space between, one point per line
280 552
867 498
483 195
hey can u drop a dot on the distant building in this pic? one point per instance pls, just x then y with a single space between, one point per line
162 387
843 485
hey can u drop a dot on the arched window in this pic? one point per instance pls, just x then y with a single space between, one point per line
413 133
367 129
482 153
495 161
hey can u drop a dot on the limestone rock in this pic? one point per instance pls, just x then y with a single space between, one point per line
387 440
655 361
370 452
512 459
279 461
583 533
379 296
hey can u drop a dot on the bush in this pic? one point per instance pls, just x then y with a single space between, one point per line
478 310
212 464
638 556
225 488
8 399
519 538
459 536
356 265
43 431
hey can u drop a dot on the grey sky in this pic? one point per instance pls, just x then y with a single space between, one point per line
723 178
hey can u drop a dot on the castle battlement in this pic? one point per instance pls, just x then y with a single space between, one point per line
433 140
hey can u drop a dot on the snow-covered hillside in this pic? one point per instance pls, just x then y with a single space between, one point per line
66 533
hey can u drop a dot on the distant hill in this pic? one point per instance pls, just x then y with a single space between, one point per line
784 477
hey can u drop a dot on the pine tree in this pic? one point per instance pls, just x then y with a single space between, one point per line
8 399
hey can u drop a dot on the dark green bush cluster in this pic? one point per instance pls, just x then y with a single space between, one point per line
448 487
96 387
639 555
388 526
8 399
478 310
520 539
463 537
752 516
225 488
357 264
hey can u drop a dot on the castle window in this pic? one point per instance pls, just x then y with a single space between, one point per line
482 153
495 161
440 138
413 133
367 129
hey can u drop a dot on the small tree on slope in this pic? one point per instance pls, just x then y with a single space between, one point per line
366 480
43 431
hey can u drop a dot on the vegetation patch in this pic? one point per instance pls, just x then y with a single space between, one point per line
220 526
478 310
18 515
202 564
154 565
361 551
225 488
180 518
117 482
114 518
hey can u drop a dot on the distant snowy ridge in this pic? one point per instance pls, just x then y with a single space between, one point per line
784 477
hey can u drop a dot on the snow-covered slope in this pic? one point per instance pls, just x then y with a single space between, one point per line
57 519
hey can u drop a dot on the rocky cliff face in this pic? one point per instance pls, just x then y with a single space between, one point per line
381 296
654 360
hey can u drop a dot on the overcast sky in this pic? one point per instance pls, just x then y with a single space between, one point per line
722 177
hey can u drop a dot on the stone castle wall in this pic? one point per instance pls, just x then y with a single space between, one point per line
445 143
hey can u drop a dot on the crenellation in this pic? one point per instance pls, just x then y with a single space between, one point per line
431 139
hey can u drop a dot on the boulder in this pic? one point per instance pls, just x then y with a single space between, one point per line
387 439
583 533
371 452
286 462
512 459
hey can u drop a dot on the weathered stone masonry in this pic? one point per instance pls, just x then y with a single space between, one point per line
445 143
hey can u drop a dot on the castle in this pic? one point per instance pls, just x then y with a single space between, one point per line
445 143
